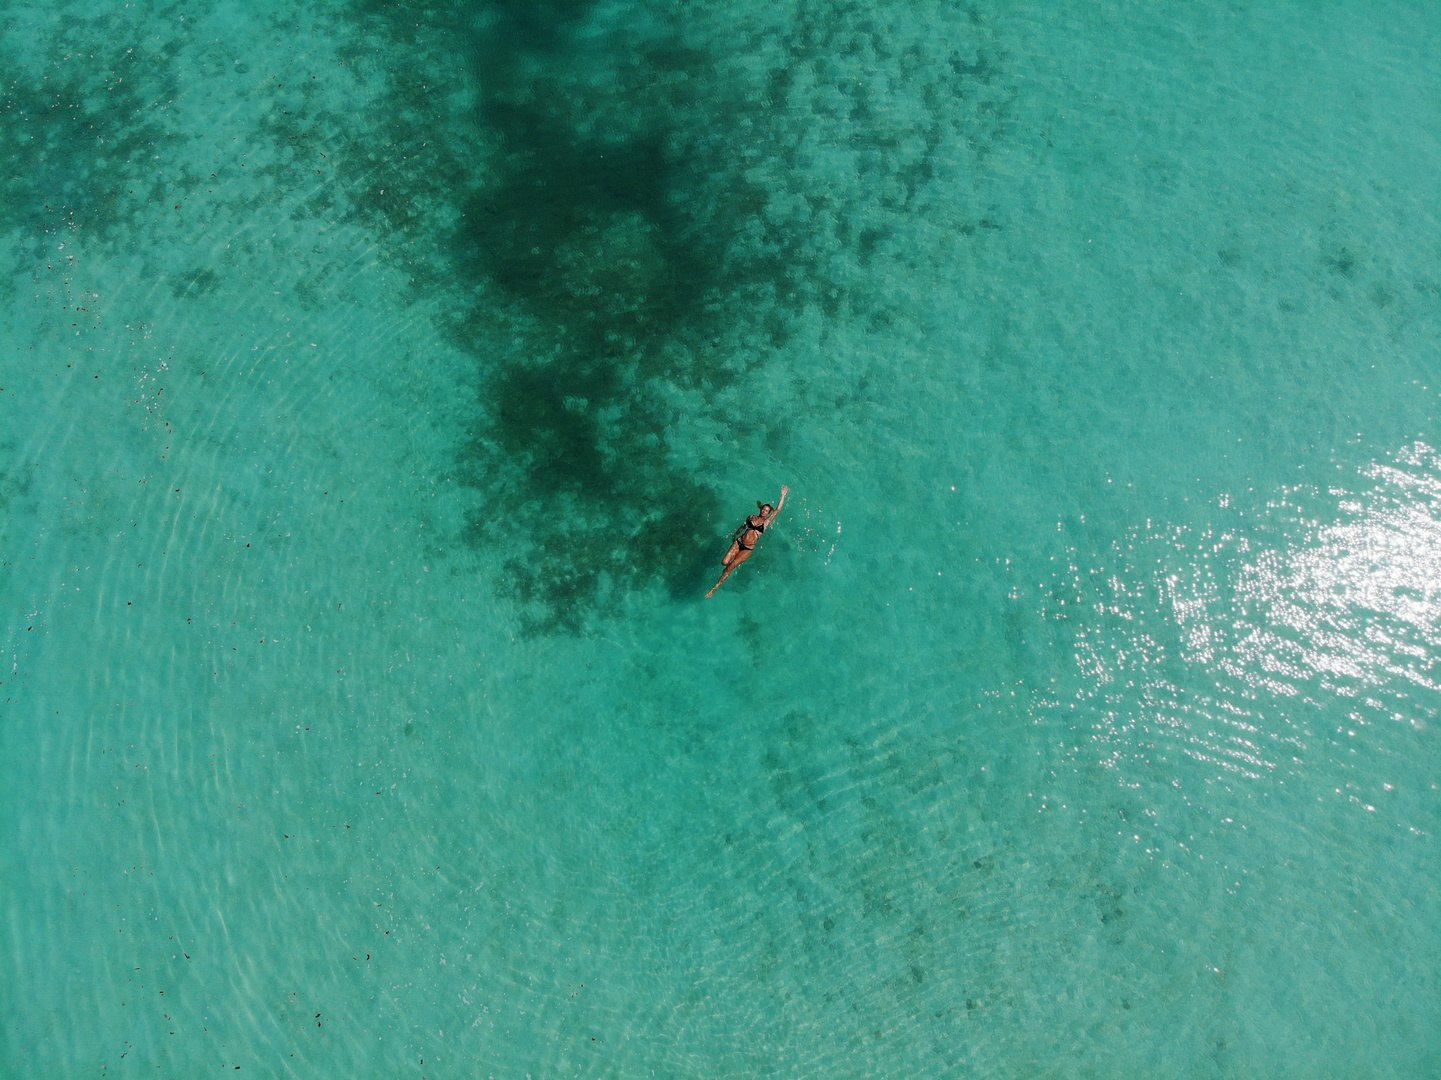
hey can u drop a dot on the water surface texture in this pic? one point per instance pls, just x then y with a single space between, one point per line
381 383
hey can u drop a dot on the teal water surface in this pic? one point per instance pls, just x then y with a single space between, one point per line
381 383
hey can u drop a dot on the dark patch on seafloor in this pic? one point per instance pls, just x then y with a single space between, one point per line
77 142
594 242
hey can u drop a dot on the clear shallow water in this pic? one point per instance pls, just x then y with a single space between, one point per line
375 431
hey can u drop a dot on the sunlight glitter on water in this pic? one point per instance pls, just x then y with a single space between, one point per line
1360 605
1270 634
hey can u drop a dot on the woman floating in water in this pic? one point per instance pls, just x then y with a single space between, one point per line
747 536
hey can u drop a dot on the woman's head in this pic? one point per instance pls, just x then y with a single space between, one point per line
766 508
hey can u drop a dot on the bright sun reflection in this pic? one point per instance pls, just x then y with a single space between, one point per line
1229 646
1361 603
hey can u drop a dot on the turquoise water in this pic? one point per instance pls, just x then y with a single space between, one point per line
381 384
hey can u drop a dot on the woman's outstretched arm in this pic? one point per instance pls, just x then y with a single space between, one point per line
776 511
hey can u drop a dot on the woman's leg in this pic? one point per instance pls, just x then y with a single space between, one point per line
741 556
